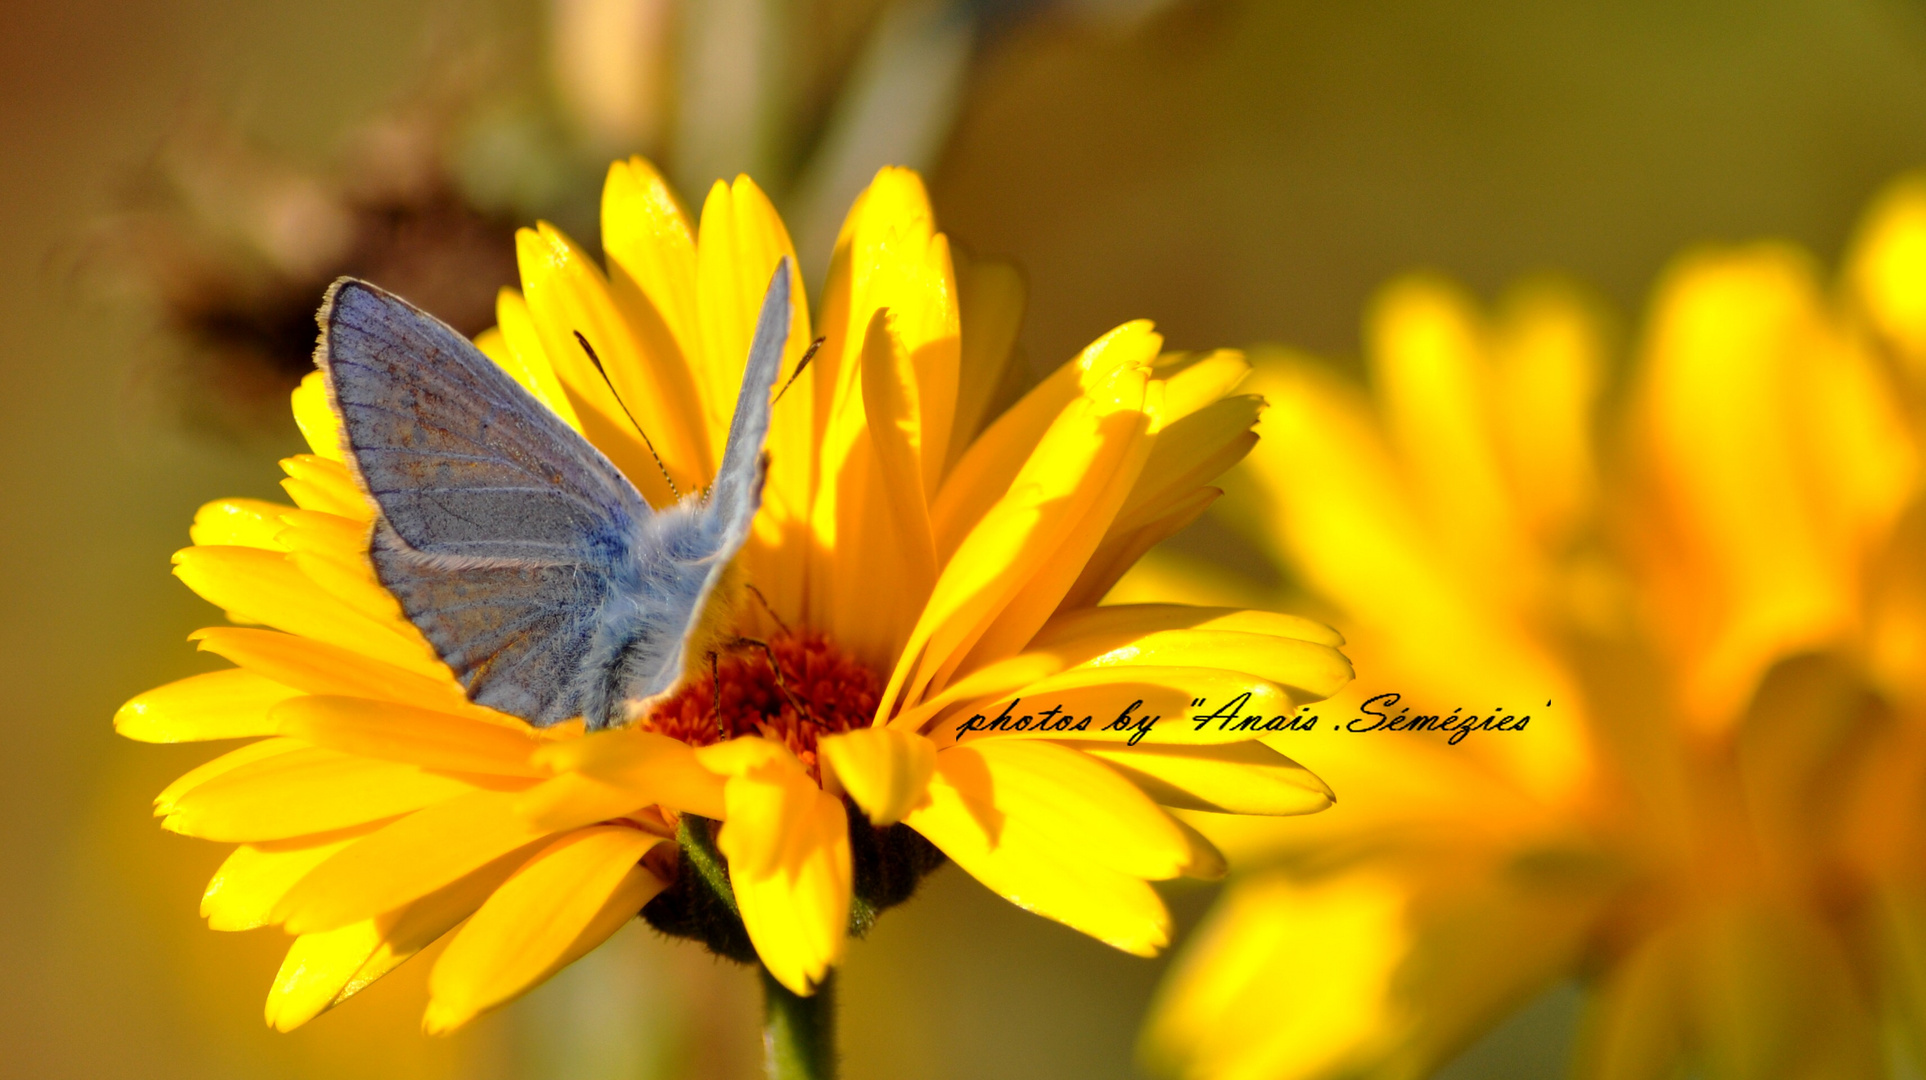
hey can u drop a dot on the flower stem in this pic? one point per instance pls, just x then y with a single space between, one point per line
798 1033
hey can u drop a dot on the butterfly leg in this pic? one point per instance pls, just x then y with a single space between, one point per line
764 601
715 678
782 685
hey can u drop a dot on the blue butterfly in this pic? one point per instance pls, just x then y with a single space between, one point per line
530 563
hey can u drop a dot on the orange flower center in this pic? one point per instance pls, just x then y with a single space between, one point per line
795 688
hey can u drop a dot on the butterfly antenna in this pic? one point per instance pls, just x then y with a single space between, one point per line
599 370
800 365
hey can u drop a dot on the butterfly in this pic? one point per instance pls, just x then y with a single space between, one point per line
531 564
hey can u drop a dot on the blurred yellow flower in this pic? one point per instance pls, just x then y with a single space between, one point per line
1713 820
924 555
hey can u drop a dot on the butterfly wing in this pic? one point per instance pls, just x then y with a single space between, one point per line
525 557
691 551
503 533
737 493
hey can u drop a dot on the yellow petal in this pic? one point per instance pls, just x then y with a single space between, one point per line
1035 872
255 751
874 455
646 235
1019 560
836 429
1345 521
1897 630
406 860
988 681
316 419
1431 360
302 792
324 969
991 461
1094 631
1864 457
1126 410
240 522
787 843
567 294
351 580
572 800
264 587
325 484
1077 801
317 968
891 404
1189 454
1194 381
989 468
740 756
1887 267
1206 863
344 540
387 731
741 240
531 366
494 346
560 904
611 773
1549 369
255 876
1311 672
888 257
862 610
1231 778
320 668
771 802
1283 981
615 751
1337 507
885 770
1753 576
231 704
1122 547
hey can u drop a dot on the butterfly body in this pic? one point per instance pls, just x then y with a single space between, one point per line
532 565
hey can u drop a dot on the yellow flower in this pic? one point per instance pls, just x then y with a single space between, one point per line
925 557
1711 819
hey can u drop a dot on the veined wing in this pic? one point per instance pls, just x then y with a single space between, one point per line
463 461
690 547
502 532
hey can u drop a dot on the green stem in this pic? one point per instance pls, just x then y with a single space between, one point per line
798 1033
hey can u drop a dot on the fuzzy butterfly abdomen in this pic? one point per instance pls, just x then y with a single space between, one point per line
654 636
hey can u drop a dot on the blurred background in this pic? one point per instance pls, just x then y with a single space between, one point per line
178 178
